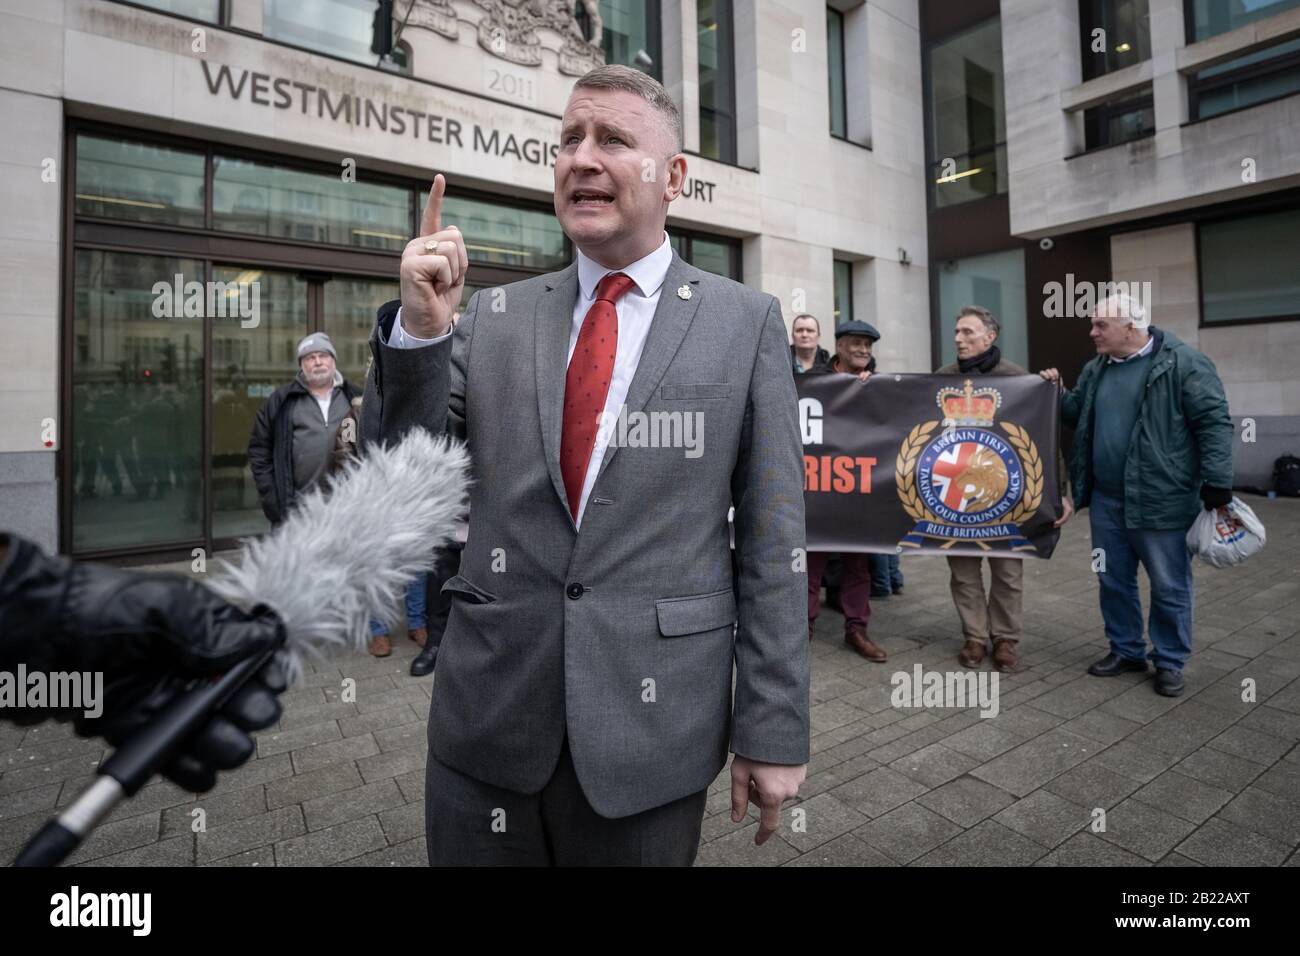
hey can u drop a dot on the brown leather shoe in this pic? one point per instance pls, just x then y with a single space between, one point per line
380 645
856 637
1004 656
419 634
972 653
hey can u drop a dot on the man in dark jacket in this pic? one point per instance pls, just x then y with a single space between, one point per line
805 353
292 445
997 616
1152 436
853 344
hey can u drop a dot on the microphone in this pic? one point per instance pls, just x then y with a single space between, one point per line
343 555
348 552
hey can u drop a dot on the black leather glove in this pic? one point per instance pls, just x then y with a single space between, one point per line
151 636
1215 497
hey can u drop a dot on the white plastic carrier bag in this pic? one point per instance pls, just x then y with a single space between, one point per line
1226 536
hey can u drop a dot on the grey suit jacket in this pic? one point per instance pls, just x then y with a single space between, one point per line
619 635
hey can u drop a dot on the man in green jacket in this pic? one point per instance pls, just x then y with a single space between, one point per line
1152 445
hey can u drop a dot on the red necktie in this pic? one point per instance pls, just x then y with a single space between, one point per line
587 384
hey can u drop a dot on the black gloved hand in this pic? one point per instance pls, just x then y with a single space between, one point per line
151 636
1215 497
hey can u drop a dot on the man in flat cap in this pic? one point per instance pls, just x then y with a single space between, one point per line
853 343
293 436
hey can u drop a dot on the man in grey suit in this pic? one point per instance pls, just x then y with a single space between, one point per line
615 411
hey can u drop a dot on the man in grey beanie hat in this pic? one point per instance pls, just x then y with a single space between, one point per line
293 435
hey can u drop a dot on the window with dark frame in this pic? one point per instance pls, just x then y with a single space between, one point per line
144 208
1209 18
717 254
1119 121
966 115
207 10
1114 34
843 292
1247 270
715 34
340 28
835 73
631 33
1250 80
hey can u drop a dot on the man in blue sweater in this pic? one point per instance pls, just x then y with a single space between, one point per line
1152 436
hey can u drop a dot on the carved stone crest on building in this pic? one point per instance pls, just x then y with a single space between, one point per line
579 54
436 15
509 30
513 30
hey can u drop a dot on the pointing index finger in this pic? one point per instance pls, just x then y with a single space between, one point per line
431 220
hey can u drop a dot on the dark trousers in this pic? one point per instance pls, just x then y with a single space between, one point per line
855 586
886 574
471 823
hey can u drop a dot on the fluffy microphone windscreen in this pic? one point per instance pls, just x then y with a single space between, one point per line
347 552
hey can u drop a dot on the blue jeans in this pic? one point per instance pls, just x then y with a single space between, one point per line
1168 566
886 576
415 608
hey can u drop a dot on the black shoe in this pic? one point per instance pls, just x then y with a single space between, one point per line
880 594
1169 683
423 662
1113 664
898 589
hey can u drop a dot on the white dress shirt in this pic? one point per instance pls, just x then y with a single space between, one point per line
324 403
635 311
1151 341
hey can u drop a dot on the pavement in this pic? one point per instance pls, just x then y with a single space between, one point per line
1072 771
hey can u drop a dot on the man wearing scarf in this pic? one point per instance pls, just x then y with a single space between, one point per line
997 616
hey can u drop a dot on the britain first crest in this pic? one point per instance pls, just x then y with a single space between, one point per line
969 484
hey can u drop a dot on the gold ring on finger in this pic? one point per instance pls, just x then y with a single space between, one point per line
431 246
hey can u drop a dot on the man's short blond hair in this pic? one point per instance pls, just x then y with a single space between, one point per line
615 76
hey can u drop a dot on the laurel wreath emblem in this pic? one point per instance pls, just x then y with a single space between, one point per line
905 471
910 450
1033 466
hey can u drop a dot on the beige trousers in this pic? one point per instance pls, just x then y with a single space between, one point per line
996 616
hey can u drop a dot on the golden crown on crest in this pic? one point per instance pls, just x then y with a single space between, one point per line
968 405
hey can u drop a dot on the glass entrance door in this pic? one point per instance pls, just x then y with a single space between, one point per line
194 271
137 403
140 476
249 364
254 352
348 306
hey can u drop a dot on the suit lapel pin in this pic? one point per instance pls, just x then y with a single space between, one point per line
684 292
